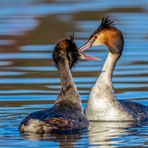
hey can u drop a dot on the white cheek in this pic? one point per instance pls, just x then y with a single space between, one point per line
97 43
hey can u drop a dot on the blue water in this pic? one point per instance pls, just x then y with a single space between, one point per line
29 81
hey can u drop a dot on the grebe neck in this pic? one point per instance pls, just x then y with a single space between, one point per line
102 95
68 90
108 68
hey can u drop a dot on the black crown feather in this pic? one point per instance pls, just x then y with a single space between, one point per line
72 36
106 22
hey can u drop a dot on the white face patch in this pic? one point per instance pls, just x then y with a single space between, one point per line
99 40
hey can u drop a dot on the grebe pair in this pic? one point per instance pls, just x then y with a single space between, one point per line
66 115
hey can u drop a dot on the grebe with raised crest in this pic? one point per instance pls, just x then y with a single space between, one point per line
103 104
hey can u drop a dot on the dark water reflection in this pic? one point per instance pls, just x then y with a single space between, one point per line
29 81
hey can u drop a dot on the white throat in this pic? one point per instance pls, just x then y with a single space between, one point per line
104 84
105 77
102 97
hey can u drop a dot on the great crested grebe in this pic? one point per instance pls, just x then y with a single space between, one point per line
66 115
103 104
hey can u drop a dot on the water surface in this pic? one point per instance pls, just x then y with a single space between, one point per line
29 81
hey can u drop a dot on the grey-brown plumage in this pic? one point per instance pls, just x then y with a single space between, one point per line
63 117
66 115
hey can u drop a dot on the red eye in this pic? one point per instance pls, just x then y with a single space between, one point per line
95 36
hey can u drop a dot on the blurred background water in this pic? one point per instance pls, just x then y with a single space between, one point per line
28 80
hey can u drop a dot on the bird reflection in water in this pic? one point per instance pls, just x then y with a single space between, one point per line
63 140
104 134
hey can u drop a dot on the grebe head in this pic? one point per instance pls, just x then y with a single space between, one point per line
66 50
106 34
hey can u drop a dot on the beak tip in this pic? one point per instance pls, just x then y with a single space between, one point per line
85 47
87 57
99 59
91 58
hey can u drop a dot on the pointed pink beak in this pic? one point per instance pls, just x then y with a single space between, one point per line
91 58
84 48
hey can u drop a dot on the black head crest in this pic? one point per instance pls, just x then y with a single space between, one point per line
72 36
106 22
